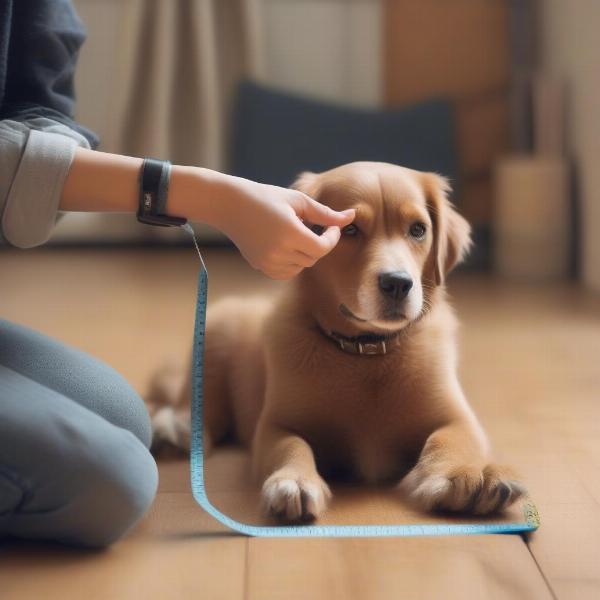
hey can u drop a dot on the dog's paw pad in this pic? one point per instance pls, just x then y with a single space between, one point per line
294 498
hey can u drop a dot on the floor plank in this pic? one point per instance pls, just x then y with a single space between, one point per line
153 567
491 567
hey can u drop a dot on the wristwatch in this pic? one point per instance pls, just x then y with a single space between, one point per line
154 188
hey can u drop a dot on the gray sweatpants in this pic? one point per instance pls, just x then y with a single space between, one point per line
74 438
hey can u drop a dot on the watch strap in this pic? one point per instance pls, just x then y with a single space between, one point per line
154 188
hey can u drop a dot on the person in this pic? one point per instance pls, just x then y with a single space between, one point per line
74 435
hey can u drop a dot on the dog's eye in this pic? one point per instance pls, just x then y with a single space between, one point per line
418 230
350 230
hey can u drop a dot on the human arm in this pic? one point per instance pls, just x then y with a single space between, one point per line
264 221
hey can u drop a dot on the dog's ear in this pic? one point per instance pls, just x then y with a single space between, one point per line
451 232
307 183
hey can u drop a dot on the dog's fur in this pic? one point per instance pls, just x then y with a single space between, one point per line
278 383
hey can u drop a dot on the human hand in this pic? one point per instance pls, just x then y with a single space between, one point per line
267 224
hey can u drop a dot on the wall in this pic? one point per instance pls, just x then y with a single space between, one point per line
329 49
570 47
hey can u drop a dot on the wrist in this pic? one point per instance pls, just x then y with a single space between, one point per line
201 195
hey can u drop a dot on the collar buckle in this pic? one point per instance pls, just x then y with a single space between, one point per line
363 348
372 348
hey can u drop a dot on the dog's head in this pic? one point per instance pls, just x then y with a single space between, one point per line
404 241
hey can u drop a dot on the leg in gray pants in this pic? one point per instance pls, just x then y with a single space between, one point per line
74 438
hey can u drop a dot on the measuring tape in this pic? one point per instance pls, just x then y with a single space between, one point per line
530 515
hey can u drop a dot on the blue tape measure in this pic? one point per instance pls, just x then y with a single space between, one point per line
530 517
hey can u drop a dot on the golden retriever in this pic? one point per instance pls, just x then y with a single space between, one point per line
353 370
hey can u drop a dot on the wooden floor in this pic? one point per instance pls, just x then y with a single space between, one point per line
531 368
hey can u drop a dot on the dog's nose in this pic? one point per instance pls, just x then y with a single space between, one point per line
396 284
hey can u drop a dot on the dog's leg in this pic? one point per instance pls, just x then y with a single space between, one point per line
453 473
293 490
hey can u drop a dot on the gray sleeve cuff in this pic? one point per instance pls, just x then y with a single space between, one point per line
34 196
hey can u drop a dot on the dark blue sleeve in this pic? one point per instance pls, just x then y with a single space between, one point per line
44 44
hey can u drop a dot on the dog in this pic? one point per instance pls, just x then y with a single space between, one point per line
352 371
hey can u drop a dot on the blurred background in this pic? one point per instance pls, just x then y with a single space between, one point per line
499 95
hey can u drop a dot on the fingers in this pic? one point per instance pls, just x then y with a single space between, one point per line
303 260
298 262
307 249
314 212
295 263
317 246
329 239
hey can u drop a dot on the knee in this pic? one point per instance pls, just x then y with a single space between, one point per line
114 494
76 375
67 474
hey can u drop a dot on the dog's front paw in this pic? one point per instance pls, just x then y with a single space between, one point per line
288 496
465 489
170 427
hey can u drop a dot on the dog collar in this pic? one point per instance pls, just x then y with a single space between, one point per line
369 344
